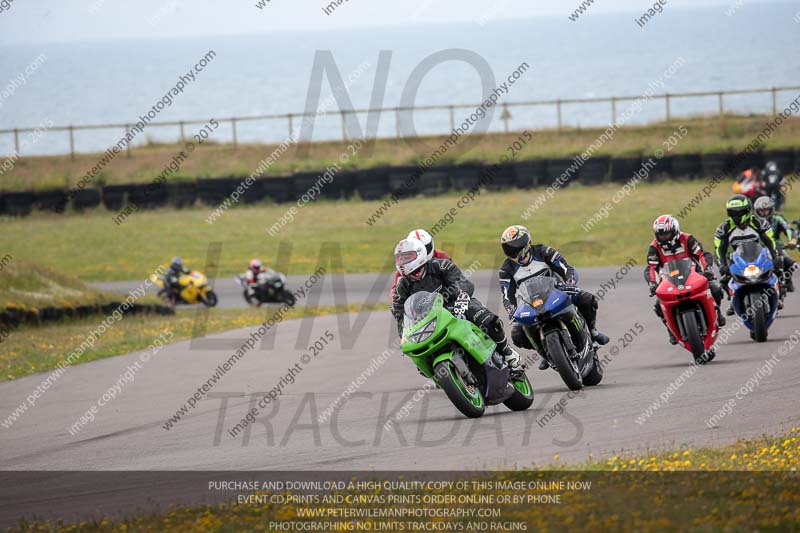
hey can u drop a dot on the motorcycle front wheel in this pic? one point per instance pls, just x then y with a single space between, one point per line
692 329
467 398
210 299
564 365
289 298
758 313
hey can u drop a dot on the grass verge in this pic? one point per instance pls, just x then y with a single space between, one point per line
748 486
28 285
93 248
31 349
220 160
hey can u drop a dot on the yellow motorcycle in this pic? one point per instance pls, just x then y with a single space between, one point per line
193 288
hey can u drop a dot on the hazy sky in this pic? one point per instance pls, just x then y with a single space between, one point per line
30 21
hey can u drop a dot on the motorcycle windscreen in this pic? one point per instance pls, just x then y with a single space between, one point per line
535 291
748 252
678 271
417 307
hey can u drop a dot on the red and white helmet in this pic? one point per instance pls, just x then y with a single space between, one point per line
666 229
426 239
255 265
410 258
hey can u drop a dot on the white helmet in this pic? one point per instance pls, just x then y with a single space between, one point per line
426 239
410 257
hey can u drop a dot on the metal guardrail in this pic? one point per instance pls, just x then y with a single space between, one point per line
505 116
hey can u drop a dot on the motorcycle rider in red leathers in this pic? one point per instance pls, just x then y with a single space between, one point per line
671 244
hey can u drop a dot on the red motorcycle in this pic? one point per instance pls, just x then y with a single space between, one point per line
685 298
749 184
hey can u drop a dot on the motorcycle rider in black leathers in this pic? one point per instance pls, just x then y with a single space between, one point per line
173 274
765 210
771 180
418 273
525 260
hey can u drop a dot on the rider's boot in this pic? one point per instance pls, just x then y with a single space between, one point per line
599 337
720 318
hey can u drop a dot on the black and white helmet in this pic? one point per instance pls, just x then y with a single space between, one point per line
764 207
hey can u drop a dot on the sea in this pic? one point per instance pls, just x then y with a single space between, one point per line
597 56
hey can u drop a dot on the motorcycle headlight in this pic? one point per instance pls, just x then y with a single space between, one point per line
752 272
424 333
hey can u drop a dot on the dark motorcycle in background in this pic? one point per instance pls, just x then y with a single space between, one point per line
270 287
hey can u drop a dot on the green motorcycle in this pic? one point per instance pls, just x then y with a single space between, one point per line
460 358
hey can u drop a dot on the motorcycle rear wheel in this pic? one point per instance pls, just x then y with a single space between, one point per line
522 398
467 398
595 376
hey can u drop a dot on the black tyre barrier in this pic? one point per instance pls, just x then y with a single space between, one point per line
743 161
662 168
403 181
373 183
181 194
556 168
11 317
303 184
14 316
149 196
342 185
115 197
715 164
251 194
85 199
465 177
278 189
55 201
686 165
434 182
378 182
595 170
623 168
530 173
500 176
18 203
213 192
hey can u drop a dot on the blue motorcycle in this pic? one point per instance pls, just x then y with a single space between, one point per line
557 330
754 288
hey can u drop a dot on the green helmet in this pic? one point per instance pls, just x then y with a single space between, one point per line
739 209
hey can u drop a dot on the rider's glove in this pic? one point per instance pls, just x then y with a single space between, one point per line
709 274
724 270
461 305
571 281
653 287
511 309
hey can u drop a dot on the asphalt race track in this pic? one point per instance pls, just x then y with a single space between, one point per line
128 432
